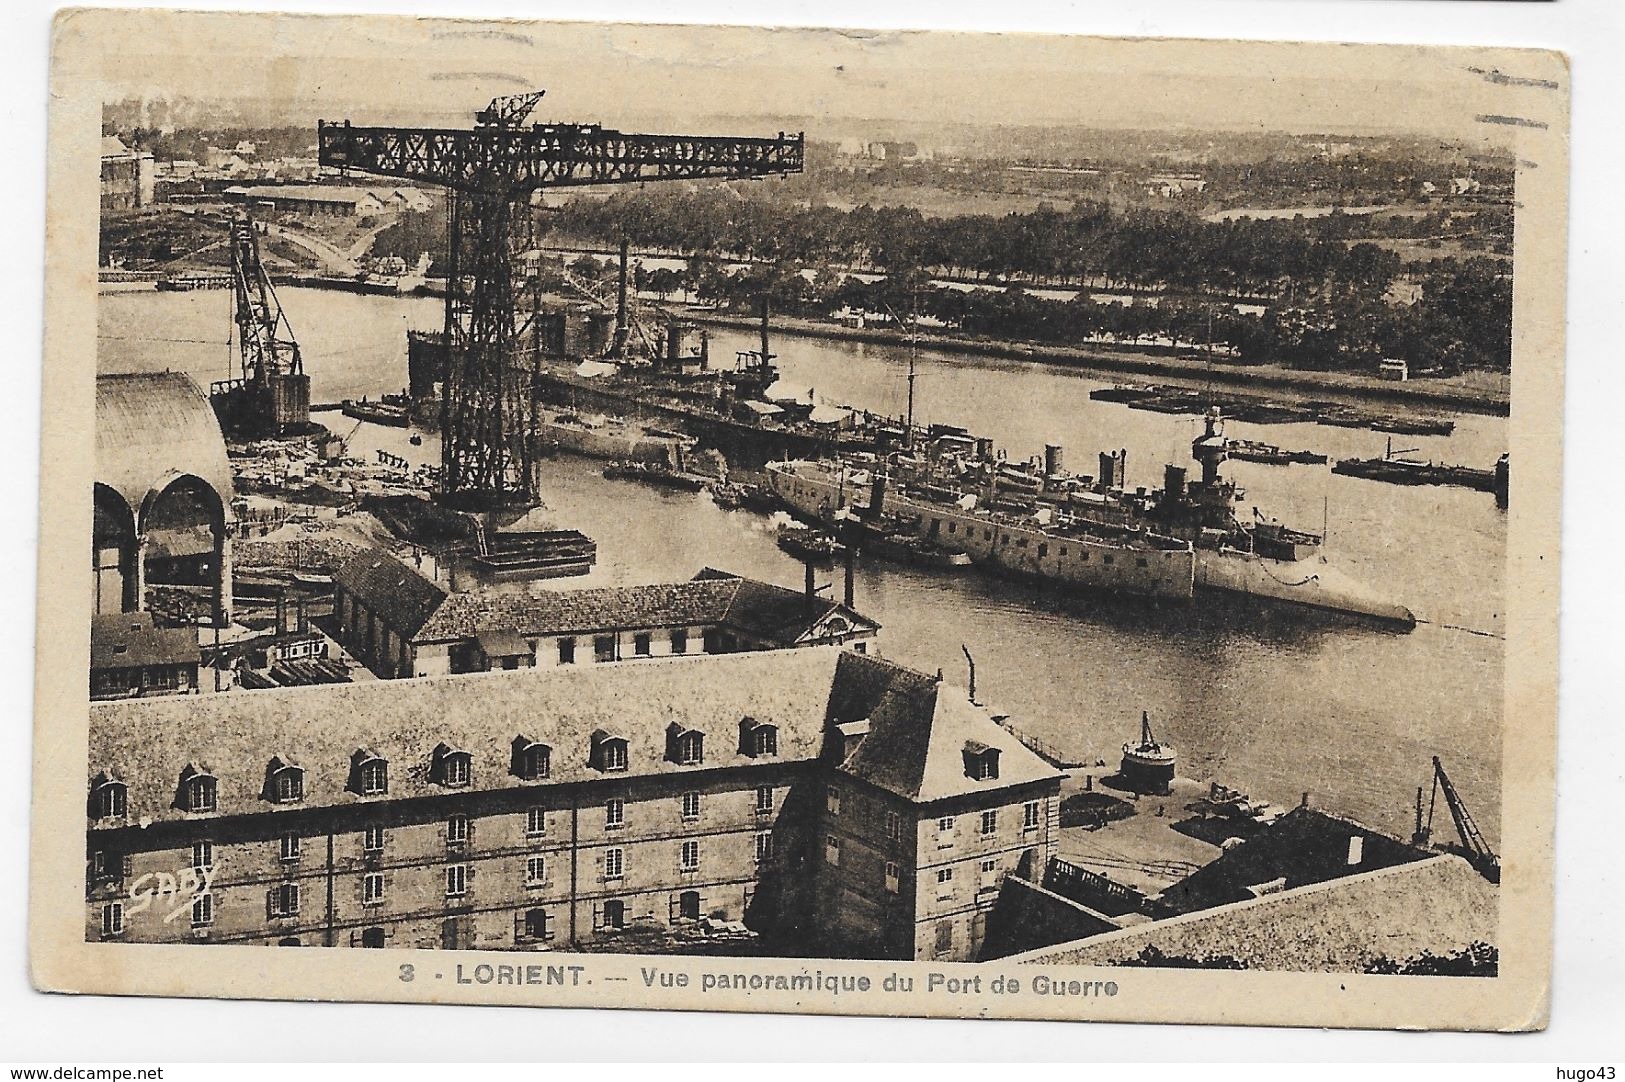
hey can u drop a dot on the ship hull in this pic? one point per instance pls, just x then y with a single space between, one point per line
1030 551
629 445
1311 582
1006 547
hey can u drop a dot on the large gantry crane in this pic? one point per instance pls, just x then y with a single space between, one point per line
492 171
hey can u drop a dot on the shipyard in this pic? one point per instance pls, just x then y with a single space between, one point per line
583 573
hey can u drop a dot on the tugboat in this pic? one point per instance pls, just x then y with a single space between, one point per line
1147 767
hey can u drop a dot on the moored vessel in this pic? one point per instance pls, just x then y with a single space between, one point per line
1037 520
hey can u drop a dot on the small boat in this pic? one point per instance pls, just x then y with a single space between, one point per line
655 473
807 543
386 412
1410 471
1415 426
1269 454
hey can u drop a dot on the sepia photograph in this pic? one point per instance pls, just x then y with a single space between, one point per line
754 501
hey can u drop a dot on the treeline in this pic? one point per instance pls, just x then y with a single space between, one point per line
1090 244
1327 302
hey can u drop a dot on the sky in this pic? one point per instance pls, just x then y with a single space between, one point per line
417 71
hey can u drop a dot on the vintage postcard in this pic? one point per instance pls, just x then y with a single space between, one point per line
737 519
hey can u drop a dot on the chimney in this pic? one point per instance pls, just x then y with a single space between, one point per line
811 591
851 559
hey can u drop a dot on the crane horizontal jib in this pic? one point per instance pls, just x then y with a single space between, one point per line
514 161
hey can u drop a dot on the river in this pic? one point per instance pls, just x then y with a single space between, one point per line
1273 702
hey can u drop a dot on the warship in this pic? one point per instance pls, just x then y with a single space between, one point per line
1034 519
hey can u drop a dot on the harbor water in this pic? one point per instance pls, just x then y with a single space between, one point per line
1273 701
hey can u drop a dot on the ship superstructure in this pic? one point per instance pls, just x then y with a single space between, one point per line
1036 519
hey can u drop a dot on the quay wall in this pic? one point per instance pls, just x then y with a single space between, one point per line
1147 361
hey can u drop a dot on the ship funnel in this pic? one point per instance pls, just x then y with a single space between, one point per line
1173 482
877 496
1113 468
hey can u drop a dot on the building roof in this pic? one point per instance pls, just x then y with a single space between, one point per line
1304 846
148 743
128 640
307 193
390 589
113 147
918 731
153 427
1438 904
770 612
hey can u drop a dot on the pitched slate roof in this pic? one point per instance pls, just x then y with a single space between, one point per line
1304 846
126 640
149 742
712 597
1438 904
918 731
386 586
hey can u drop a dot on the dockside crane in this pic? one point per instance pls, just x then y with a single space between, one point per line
1473 846
491 172
272 396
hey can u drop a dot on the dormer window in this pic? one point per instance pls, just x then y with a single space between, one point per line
758 739
109 798
532 761
285 782
200 792
452 767
369 773
981 761
685 747
609 752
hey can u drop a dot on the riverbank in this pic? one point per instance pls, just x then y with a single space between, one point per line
1420 394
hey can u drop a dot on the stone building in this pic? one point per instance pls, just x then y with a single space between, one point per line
566 810
128 176
162 495
399 623
130 657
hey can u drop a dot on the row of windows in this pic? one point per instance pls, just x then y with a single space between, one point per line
459 831
604 646
530 925
283 900
947 824
1043 546
449 767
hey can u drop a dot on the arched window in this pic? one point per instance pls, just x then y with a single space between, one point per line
200 792
609 752
758 738
109 798
452 767
287 782
684 746
532 760
369 773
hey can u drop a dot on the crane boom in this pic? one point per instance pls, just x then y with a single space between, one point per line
1477 850
512 162
487 405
